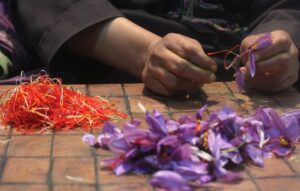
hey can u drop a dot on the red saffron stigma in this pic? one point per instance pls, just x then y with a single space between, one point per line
45 104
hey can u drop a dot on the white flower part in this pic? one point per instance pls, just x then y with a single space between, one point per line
142 107
202 154
262 139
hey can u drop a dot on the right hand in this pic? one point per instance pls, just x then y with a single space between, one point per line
176 63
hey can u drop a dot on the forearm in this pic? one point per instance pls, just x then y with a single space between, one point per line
117 42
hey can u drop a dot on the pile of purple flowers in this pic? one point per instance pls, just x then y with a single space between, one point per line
191 152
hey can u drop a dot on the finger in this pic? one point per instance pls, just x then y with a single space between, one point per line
172 82
286 83
276 64
192 51
271 85
157 87
281 42
186 70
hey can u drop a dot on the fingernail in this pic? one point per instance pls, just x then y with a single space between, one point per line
212 78
214 67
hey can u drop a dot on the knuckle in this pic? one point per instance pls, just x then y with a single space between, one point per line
189 48
179 67
283 41
170 36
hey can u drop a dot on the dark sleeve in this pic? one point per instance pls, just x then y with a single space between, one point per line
280 14
46 25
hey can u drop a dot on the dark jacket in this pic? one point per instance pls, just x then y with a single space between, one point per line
44 26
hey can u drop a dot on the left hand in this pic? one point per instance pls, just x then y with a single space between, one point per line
277 66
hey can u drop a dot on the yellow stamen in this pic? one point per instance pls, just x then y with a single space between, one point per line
198 127
283 141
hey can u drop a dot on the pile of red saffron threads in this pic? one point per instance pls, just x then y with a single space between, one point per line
45 104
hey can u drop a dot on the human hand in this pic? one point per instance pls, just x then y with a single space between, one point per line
177 63
277 65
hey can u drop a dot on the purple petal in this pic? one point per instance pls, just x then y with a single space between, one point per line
103 140
255 155
204 179
123 168
191 170
252 64
169 181
134 124
240 79
184 152
110 128
214 144
119 145
172 126
156 124
282 151
89 139
292 130
167 145
200 112
263 41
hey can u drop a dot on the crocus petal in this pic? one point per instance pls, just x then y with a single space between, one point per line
200 112
255 155
292 130
110 128
89 139
252 64
172 126
119 145
282 151
240 79
263 41
123 168
191 170
103 140
156 124
184 152
169 181
134 124
214 144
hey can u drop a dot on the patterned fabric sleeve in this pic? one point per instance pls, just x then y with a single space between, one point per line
7 33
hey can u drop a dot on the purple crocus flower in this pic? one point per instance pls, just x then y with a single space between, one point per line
283 132
166 147
169 181
262 42
109 132
219 161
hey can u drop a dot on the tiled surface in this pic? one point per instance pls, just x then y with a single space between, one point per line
60 161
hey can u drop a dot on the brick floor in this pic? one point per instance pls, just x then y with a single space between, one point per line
60 161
